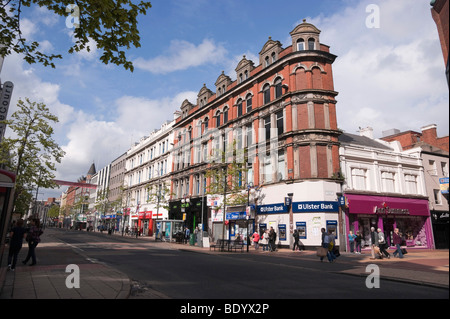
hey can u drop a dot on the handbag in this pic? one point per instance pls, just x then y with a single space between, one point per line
336 252
321 252
377 250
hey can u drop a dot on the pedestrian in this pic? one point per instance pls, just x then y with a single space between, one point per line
374 243
265 240
351 241
33 238
325 242
272 239
332 246
18 233
382 243
255 239
296 239
187 233
397 242
358 240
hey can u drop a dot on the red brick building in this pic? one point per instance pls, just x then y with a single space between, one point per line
410 139
285 105
439 12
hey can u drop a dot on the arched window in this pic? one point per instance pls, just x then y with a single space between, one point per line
267 61
199 128
206 123
225 115
249 103
300 45
240 78
245 75
311 45
218 119
278 88
266 92
274 57
239 107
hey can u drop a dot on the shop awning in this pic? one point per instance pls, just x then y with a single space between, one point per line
368 204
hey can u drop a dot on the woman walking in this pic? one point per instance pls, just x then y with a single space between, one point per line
33 239
17 235
397 242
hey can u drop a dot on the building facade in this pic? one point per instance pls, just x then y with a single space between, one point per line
433 151
281 115
146 179
384 188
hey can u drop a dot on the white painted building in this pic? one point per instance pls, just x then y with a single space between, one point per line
148 167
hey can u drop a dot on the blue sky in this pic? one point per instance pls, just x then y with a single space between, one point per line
387 77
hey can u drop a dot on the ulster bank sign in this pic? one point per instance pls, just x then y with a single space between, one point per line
299 207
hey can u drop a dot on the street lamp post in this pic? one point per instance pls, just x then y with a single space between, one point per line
250 188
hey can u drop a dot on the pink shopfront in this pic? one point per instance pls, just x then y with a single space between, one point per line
410 215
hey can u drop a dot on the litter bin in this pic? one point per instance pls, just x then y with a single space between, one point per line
192 240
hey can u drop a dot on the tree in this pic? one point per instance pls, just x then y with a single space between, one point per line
32 153
112 24
159 196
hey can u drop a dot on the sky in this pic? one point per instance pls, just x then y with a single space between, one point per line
389 71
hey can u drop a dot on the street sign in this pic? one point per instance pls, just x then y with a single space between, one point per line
5 99
444 185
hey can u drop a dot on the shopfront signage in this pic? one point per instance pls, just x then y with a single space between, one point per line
5 99
444 185
272 209
236 215
311 207
390 211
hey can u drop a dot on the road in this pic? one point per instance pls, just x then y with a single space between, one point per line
161 271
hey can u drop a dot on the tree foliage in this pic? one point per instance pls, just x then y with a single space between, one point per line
112 24
31 153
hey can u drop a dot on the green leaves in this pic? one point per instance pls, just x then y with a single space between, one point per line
31 153
112 24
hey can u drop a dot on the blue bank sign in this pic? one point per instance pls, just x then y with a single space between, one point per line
272 209
311 207
299 207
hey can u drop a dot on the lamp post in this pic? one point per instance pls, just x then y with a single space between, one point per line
250 188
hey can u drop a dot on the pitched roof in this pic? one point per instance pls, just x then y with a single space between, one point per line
348 138
92 170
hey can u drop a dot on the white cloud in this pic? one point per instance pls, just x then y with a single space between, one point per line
390 77
182 55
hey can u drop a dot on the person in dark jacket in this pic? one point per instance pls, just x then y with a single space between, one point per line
33 239
397 240
18 233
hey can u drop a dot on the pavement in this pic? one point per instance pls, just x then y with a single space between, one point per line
53 278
